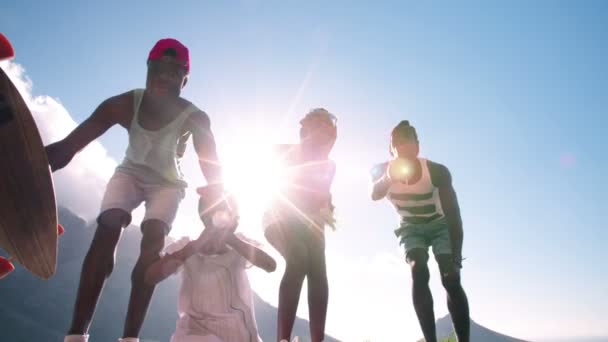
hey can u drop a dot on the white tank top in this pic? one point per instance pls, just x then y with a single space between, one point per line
156 150
417 203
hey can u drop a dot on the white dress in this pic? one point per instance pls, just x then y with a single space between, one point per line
215 299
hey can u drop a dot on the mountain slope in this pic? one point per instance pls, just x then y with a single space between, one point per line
445 332
36 310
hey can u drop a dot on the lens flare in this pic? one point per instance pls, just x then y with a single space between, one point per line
254 175
222 219
400 169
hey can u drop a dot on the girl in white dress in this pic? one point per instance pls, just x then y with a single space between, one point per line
215 299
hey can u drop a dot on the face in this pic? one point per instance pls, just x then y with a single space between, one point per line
317 132
404 147
216 246
166 77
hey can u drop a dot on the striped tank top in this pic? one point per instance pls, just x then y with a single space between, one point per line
417 203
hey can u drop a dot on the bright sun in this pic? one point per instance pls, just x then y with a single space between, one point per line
254 175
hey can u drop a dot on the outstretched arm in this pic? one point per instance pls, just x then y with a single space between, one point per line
252 253
381 181
204 145
170 263
442 179
106 115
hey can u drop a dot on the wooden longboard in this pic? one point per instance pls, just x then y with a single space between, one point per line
28 213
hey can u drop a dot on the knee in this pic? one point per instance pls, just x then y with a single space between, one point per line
317 271
114 218
152 243
295 271
451 283
153 237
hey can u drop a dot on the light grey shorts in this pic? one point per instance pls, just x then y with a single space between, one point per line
127 191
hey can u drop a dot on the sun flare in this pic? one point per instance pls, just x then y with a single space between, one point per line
254 175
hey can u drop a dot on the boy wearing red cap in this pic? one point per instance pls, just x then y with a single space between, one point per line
159 123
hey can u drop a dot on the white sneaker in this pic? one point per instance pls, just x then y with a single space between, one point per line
76 338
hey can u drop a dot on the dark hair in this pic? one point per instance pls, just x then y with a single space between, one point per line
404 130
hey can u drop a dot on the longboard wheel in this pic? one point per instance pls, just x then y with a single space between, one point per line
6 267
6 49
60 229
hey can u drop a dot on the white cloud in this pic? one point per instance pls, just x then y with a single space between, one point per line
80 185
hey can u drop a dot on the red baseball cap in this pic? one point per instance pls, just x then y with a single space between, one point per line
6 49
180 49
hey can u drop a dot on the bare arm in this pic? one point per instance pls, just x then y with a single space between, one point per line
442 179
107 114
252 253
170 263
204 145
381 181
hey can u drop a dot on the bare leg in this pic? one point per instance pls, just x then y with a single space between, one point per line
421 293
141 293
96 268
318 289
296 259
289 296
458 304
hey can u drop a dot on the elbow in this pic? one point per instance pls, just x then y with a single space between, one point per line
271 266
376 197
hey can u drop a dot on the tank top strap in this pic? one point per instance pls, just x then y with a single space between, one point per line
425 174
138 96
183 116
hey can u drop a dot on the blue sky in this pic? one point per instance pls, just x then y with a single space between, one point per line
510 96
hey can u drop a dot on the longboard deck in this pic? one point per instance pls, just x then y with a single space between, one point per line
28 212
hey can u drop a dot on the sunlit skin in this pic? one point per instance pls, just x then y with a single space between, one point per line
161 103
406 167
